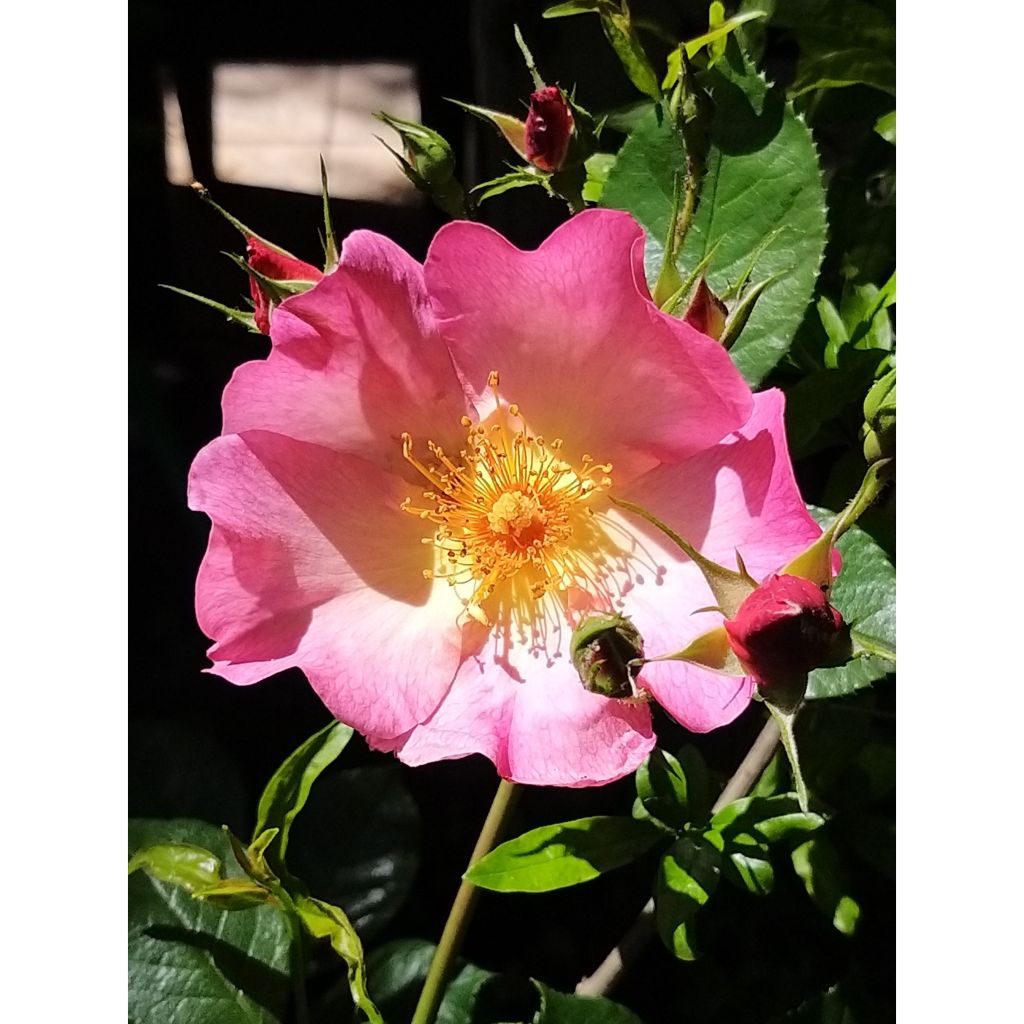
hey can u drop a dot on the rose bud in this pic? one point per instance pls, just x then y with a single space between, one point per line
548 129
606 651
782 631
706 311
274 266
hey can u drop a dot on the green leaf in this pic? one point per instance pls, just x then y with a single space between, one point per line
842 43
288 789
190 867
324 921
557 856
675 791
818 863
357 844
396 972
865 594
715 35
886 127
573 7
189 963
824 394
687 876
754 872
765 818
559 1008
762 207
849 66
620 32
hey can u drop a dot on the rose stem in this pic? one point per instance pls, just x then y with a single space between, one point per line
630 945
462 908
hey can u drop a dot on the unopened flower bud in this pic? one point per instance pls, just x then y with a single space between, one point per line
548 129
782 631
880 419
275 266
706 311
604 650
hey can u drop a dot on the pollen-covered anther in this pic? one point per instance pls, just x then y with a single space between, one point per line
509 505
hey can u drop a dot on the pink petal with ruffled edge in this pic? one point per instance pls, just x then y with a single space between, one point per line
542 729
739 495
312 563
356 361
579 345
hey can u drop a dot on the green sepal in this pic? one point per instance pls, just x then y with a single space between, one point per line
710 650
275 290
730 588
246 232
740 314
189 867
240 316
714 39
514 179
512 129
880 419
330 241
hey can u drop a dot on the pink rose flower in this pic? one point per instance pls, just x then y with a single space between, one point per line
411 497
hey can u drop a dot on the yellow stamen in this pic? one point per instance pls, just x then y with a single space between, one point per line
513 519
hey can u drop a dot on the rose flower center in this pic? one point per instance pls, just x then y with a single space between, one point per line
512 516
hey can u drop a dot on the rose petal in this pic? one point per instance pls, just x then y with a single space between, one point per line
579 345
739 495
312 563
356 361
542 728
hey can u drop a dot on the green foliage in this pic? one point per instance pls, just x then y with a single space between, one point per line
558 1008
324 921
357 844
397 970
687 876
190 963
865 594
556 856
820 866
842 43
288 789
673 790
761 212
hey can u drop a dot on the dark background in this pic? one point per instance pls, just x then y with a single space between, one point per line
200 747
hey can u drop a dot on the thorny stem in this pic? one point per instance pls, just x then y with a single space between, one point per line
462 908
632 943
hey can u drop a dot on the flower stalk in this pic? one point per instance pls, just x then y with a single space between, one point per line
462 908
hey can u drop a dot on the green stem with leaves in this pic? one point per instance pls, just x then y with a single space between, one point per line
462 908
632 943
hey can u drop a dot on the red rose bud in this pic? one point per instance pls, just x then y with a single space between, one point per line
275 266
548 129
706 311
782 631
